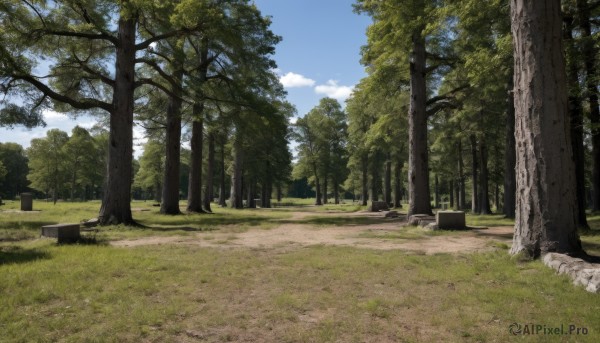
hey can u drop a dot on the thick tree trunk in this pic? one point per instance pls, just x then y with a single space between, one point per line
387 182
375 181
170 197
510 157
546 215
398 185
474 176
590 58
116 202
236 200
418 160
365 182
576 120
484 193
208 189
222 201
195 175
251 194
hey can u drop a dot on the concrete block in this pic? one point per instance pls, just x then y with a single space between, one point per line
451 220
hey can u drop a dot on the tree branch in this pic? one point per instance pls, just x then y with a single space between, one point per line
84 104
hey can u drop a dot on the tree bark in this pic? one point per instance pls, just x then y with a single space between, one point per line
510 158
365 181
336 192
208 189
436 187
451 188
387 182
325 179
460 187
222 201
576 120
236 177
375 180
170 196
418 163
474 174
251 194
195 175
484 192
116 202
546 215
318 186
591 82
398 184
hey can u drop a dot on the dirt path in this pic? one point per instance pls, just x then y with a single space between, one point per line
291 235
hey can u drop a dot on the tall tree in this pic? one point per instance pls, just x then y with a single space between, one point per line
546 215
47 163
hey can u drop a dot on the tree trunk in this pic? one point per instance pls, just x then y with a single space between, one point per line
222 201
484 193
325 179
195 175
451 188
375 180
474 173
458 195
546 215
460 187
387 182
576 120
336 192
437 192
418 163
279 192
170 196
157 191
318 186
116 202
590 57
510 158
365 182
251 194
208 189
398 185
236 177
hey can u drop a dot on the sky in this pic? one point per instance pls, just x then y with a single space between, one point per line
318 57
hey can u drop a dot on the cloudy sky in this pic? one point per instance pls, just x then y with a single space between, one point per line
318 57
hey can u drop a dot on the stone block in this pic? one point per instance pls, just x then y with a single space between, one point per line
416 218
377 206
26 202
451 220
64 233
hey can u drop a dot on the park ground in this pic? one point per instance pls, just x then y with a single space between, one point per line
293 274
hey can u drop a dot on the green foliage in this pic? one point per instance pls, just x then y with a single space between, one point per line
12 157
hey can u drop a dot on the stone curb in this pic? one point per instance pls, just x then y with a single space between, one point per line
581 272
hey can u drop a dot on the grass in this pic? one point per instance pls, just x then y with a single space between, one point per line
320 294
173 293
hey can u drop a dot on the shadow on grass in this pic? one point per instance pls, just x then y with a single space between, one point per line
338 221
24 225
174 228
203 219
12 254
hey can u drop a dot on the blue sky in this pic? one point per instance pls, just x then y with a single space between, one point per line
318 56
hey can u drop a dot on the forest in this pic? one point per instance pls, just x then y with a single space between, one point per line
237 218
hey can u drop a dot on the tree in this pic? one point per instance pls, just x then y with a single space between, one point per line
14 160
47 163
150 174
546 215
80 159
89 35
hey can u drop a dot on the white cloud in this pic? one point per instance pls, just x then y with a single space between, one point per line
333 90
293 120
290 80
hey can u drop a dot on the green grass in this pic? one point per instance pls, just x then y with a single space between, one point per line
173 293
320 294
